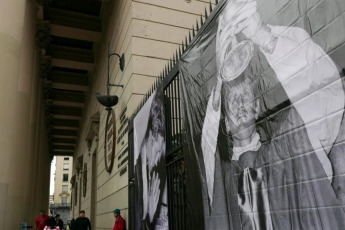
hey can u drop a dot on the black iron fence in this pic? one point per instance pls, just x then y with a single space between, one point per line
174 150
175 137
174 155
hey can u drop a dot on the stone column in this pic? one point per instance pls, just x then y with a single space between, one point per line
27 109
15 94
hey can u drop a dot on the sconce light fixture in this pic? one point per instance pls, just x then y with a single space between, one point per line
108 101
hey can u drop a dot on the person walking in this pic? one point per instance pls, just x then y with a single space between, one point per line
51 224
41 220
72 224
82 222
120 223
58 221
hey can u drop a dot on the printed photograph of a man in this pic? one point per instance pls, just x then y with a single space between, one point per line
278 170
151 181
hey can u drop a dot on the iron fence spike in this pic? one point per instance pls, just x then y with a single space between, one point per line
206 16
190 37
201 20
210 7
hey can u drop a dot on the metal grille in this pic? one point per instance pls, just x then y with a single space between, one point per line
176 193
173 115
174 157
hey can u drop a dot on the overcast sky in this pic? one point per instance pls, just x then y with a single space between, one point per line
52 174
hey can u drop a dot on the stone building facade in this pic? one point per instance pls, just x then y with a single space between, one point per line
148 32
62 188
53 61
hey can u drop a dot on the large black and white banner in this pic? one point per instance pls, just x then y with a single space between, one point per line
151 210
264 104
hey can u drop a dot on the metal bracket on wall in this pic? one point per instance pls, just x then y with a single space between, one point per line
116 85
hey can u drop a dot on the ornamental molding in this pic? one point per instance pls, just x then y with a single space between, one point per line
46 66
73 180
110 141
79 167
84 180
64 194
76 194
43 35
92 129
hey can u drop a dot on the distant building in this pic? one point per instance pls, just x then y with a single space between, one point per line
51 199
61 201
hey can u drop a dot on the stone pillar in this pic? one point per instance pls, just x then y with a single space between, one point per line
41 161
17 44
27 109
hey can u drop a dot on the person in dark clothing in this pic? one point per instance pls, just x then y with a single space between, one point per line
51 224
58 221
72 224
82 222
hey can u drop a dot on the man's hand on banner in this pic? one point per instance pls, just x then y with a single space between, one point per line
154 193
237 13
259 33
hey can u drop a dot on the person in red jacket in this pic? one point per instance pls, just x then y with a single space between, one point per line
120 223
41 220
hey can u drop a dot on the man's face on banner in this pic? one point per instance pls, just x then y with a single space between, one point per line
156 115
241 109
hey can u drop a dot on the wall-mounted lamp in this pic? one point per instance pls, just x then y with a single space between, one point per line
109 101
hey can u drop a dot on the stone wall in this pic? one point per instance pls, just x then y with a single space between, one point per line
148 32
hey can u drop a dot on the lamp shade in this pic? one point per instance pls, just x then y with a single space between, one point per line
107 101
